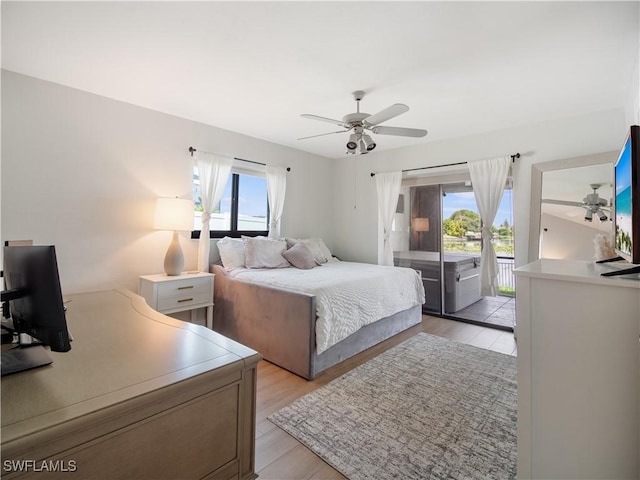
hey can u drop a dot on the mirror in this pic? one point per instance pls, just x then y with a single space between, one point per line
560 193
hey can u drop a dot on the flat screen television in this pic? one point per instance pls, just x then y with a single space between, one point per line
35 306
626 213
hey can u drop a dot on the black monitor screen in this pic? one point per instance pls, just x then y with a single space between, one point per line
627 204
32 272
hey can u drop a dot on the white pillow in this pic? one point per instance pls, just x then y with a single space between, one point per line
231 253
313 244
325 250
264 253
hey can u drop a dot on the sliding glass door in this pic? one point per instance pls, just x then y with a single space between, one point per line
423 245
462 246
438 233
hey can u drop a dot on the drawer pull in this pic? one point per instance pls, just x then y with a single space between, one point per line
185 288
185 300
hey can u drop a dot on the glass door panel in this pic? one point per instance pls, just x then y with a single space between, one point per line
423 224
462 245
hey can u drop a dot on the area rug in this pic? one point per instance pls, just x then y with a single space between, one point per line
429 408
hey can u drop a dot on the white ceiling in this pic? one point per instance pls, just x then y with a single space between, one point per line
253 67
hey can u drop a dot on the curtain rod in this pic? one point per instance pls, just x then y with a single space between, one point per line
513 159
191 150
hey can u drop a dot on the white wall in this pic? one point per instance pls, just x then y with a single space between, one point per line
356 217
632 111
82 172
632 103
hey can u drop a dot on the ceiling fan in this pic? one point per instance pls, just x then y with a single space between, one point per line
358 123
593 204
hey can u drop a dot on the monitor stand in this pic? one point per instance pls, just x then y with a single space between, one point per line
22 355
615 273
626 271
19 359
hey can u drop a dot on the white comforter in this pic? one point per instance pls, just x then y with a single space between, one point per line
348 295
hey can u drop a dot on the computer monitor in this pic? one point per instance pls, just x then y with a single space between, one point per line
34 298
626 208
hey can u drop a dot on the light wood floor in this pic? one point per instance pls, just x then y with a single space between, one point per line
279 456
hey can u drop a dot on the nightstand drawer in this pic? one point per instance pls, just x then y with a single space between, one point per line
188 287
179 293
185 300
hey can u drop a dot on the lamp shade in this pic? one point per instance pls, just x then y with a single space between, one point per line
420 224
174 214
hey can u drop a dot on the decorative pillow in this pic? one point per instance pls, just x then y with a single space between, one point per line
300 256
231 253
325 250
264 253
321 253
314 245
291 241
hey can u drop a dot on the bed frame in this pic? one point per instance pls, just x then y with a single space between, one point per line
281 325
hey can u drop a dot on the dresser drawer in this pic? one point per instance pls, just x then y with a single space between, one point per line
183 288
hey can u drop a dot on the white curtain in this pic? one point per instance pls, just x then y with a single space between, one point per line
276 189
488 178
213 171
388 188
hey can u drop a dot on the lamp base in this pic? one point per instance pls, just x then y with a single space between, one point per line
174 259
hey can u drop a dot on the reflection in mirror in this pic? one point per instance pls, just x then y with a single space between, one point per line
568 180
575 209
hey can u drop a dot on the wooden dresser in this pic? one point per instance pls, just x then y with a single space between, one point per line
140 395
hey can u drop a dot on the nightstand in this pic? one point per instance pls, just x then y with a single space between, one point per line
179 293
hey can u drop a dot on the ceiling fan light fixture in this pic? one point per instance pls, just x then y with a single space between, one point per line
362 146
602 216
352 144
359 121
588 216
368 142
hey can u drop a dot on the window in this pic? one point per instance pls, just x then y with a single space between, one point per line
242 210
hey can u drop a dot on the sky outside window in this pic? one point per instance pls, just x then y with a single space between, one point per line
466 201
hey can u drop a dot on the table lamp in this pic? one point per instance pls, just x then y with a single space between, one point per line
174 214
420 224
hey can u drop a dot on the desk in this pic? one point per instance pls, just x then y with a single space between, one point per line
140 395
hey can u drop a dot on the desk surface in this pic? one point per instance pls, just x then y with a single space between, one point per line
121 349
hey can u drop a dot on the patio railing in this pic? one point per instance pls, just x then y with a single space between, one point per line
506 280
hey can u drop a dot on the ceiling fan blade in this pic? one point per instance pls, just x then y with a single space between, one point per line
324 119
562 202
403 132
321 134
386 114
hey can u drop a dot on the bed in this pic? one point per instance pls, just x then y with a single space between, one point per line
282 312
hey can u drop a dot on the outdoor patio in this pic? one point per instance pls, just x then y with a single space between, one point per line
499 311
